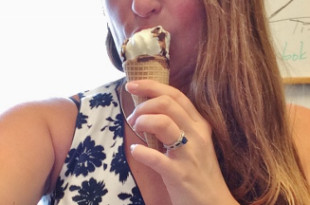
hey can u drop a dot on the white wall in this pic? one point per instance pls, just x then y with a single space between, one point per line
51 48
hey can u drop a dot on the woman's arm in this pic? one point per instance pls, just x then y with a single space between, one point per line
34 140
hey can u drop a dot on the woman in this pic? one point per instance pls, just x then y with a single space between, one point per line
225 94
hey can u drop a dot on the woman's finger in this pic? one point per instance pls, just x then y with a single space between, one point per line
154 89
151 158
161 126
163 105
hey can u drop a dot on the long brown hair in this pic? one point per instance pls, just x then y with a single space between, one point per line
237 87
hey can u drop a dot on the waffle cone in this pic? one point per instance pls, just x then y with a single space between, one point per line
154 68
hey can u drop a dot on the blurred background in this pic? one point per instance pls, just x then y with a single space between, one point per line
51 48
56 48
290 25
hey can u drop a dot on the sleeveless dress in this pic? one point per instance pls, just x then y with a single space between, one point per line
96 171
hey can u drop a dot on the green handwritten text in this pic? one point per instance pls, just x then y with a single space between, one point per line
297 55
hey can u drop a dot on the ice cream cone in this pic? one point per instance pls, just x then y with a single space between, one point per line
147 67
145 55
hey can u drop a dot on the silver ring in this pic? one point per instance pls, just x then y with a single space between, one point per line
180 142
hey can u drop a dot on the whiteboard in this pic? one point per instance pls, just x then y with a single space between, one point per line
290 26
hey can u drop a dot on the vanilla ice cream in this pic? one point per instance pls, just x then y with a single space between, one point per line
151 42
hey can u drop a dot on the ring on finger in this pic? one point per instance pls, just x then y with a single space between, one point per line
180 142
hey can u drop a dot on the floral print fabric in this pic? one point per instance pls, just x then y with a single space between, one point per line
96 171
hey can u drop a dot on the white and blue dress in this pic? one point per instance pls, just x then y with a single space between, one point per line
96 171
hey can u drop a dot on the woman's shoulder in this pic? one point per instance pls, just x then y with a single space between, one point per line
55 116
300 121
40 128
46 111
300 118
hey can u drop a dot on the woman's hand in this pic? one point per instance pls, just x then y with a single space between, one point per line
191 172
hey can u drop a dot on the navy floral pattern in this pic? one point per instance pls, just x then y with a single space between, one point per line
95 171
60 189
134 197
102 99
119 165
117 127
90 193
85 158
80 120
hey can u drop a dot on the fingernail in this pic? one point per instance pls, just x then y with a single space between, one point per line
131 85
133 147
129 119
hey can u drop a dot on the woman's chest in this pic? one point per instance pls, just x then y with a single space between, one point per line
150 183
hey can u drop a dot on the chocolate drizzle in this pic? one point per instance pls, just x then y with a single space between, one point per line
157 33
145 58
123 50
161 36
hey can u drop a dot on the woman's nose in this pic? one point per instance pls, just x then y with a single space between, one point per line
145 8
